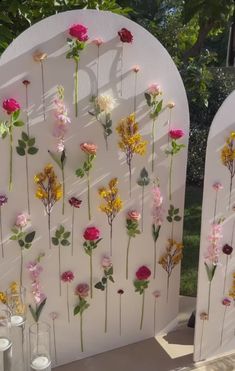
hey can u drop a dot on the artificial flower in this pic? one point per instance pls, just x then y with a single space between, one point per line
79 31
157 219
171 105
176 133
75 203
89 148
136 68
125 35
82 291
120 293
141 284
67 277
132 229
21 220
227 159
143 273
11 105
143 181
38 295
98 41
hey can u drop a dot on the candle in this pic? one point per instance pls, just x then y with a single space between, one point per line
4 344
40 363
17 320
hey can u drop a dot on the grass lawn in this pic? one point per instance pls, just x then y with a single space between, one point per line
191 240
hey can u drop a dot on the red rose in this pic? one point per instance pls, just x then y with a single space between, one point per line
176 133
143 273
79 31
125 35
10 105
75 202
91 234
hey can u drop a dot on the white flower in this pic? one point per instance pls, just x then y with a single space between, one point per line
105 103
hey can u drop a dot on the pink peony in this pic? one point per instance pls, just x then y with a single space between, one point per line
154 89
125 35
98 41
176 133
106 262
79 32
10 105
67 276
217 186
91 233
143 273
88 148
82 290
134 215
22 220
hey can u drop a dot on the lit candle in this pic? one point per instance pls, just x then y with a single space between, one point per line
17 320
40 363
4 344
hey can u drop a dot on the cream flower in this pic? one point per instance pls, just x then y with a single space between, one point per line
105 103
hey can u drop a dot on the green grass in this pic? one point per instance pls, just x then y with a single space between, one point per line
191 240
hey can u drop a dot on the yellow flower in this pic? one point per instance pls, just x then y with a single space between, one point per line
3 297
113 203
14 287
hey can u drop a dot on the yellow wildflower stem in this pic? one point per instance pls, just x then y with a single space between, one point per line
111 238
129 166
49 228
127 256
230 190
167 287
153 144
142 311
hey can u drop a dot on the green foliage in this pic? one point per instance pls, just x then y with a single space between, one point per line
143 179
90 245
154 104
61 237
141 285
81 307
132 227
86 167
60 160
24 239
38 310
155 232
173 214
26 144
108 276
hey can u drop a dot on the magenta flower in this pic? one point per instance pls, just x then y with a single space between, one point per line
154 89
226 302
79 31
125 35
3 200
10 105
82 290
67 276
176 133
91 234
227 249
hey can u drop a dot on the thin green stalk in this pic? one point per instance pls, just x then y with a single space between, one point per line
49 229
230 190
106 308
37 336
81 333
170 177
122 52
129 166
43 92
142 311
215 207
154 316
27 180
97 72
135 85
59 251
167 287
76 88
209 299
154 259
1 234
91 275
63 183
153 144
11 157
127 256
111 239
88 196
21 266
54 338
72 229
142 209
68 302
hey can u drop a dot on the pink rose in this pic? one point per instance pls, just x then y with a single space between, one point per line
156 294
217 186
91 234
22 220
82 290
98 41
125 35
143 273
134 215
67 276
136 68
88 148
79 32
154 89
106 262
10 105
176 133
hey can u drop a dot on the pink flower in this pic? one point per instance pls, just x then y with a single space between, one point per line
39 297
61 112
34 269
53 315
156 294
22 220
125 35
226 302
10 105
3 200
214 249
176 133
82 290
143 273
88 148
136 68
91 234
60 130
79 31
154 89
98 41
217 186
106 262
67 276
157 208
134 215
60 145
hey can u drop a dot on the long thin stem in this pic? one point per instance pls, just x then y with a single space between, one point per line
170 177
209 299
230 190
63 183
1 234
222 331
153 144
129 167
68 302
27 181
59 255
54 338
76 88
111 238
49 229
142 209
225 274
154 315
72 229
200 353
43 92
106 142
135 87
120 315
122 52
11 157
154 259
127 256
81 333
97 71
215 207
27 108
21 266
88 196
167 287
91 275
106 308
142 311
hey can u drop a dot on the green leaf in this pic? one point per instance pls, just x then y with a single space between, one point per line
27 245
33 313
24 136
177 218
99 286
14 230
66 235
169 218
111 279
30 237
65 243
18 123
80 173
32 150
61 229
55 241
31 142
21 243
21 143
13 238
176 211
76 310
20 151
148 99
55 158
15 115
40 308
104 280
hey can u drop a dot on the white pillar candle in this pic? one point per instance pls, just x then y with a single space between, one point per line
4 344
17 320
40 363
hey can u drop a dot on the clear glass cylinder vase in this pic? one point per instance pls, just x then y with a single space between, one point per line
5 329
39 343
16 303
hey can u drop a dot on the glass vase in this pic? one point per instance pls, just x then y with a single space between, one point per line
5 329
39 343
17 306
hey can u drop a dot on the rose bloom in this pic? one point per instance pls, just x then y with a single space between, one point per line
134 215
227 249
82 290
10 105
105 103
22 220
125 35
143 273
226 302
176 133
67 276
79 32
106 262
154 89
3 200
217 186
98 41
136 68
91 234
89 148
75 202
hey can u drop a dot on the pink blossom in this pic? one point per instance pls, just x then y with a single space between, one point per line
134 215
214 248
22 220
54 315
226 302
67 276
136 68
89 148
10 105
61 112
217 186
60 145
106 262
79 31
82 290
157 208
176 133
98 41
154 89
34 269
60 129
156 294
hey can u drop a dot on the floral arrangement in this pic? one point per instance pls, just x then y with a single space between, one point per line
40 57
204 317
156 295
143 181
98 42
132 229
154 102
135 69
227 159
49 191
103 106
60 129
54 316
111 204
92 238
103 284
120 293
157 220
131 141
172 256
67 277
23 238
125 37
13 110
60 239
226 302
79 35
141 284
90 150
75 203
82 291
173 148
3 201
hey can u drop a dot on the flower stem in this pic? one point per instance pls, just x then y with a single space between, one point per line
209 299
135 86
225 274
49 229
54 338
129 166
27 108
68 302
127 256
43 92
106 308
153 144
91 274
21 266
142 210
142 311
154 315
154 259
120 315
88 196
222 331
98 70
106 142
200 353
76 88
59 254
215 207
81 333
167 287
230 190
27 180
1 236
11 157
122 52
170 177
111 239
63 183
72 230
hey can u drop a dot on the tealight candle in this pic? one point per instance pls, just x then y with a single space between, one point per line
4 344
40 363
17 320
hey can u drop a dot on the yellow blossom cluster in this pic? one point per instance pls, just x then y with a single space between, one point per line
228 152
130 139
49 190
172 256
14 287
113 203
232 290
3 297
